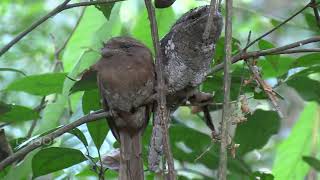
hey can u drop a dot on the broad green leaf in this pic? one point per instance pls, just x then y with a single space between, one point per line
4 108
52 115
87 82
313 162
97 129
256 131
105 9
141 30
262 176
272 59
55 158
23 169
219 49
76 132
42 84
283 65
17 113
13 70
311 21
288 163
306 87
83 38
307 60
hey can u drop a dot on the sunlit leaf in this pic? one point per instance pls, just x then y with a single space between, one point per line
55 158
76 132
42 85
105 9
15 113
97 129
288 163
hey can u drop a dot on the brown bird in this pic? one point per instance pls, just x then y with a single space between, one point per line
125 76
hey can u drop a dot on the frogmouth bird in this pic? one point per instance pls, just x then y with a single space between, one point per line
187 57
125 77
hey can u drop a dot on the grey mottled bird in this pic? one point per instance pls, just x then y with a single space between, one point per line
187 58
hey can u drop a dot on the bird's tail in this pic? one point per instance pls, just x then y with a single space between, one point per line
131 164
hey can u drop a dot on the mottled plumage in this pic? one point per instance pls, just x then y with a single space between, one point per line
187 58
125 76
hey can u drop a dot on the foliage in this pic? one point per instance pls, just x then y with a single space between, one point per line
26 76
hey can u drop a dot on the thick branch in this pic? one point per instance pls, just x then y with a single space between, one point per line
226 102
161 110
63 6
43 140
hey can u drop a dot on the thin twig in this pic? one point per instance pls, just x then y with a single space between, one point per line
314 6
161 110
38 110
63 6
272 51
226 113
43 140
277 27
266 88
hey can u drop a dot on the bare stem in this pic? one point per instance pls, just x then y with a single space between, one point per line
161 110
43 140
287 49
226 113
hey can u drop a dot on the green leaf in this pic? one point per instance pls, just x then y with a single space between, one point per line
313 162
281 66
307 88
272 59
262 176
76 132
188 144
4 108
105 9
87 82
288 163
307 60
141 30
256 131
15 113
42 85
311 21
55 158
219 49
13 70
97 129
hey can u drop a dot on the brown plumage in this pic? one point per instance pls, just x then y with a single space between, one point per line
125 76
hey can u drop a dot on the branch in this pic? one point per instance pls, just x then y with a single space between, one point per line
278 26
314 5
226 113
161 110
63 6
44 140
287 49
212 11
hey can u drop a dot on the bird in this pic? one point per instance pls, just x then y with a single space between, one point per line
125 79
187 57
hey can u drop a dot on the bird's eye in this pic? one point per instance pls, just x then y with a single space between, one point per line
125 46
